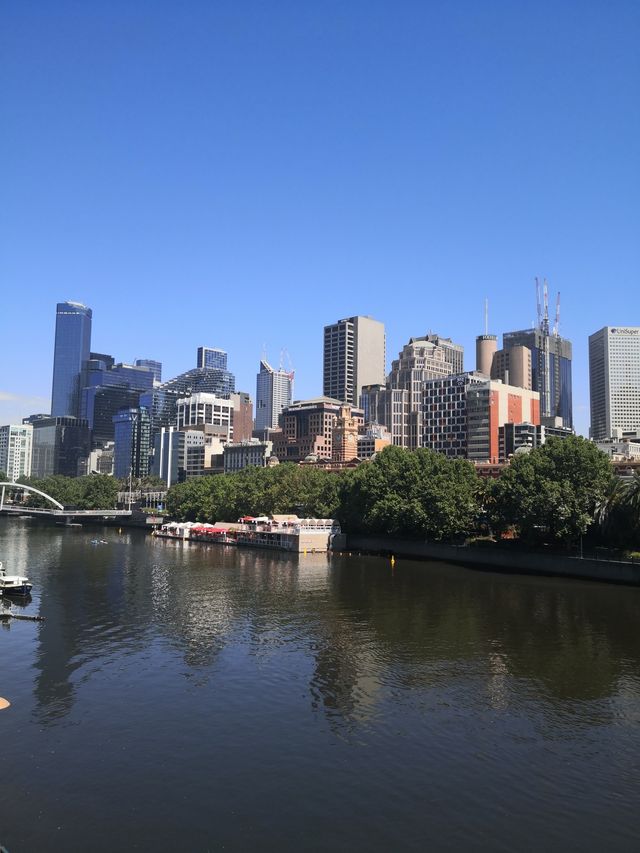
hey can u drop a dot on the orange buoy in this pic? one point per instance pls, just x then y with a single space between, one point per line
4 703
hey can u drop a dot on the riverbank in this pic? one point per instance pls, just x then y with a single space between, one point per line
487 557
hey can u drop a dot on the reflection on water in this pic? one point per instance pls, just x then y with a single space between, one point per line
193 668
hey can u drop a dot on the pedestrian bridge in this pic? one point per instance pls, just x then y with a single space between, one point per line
56 510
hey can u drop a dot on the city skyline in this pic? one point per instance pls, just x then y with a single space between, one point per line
24 406
364 162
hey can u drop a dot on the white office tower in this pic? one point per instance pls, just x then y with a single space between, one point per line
274 392
614 381
354 355
15 450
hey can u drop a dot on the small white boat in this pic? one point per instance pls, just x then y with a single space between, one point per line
13 584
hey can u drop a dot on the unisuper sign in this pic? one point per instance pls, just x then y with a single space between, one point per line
625 331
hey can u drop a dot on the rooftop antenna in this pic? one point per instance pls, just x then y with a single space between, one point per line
263 357
486 316
538 309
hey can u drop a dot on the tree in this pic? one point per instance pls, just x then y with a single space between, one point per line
552 493
411 493
98 491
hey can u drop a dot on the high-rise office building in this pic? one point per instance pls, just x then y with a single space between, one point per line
71 354
109 388
15 450
614 381
153 365
422 359
60 446
550 371
274 392
132 442
354 355
212 359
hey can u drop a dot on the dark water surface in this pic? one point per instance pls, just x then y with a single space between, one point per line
209 698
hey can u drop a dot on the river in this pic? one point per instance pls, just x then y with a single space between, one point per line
216 698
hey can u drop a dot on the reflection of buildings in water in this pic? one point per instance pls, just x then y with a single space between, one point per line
313 572
85 595
15 545
191 602
347 680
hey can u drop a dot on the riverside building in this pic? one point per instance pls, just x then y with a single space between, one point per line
354 355
614 381
60 446
132 442
15 450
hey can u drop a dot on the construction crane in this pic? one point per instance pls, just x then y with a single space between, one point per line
556 328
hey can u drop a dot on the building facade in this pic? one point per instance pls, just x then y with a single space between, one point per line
422 359
388 407
208 380
614 381
513 367
151 364
307 429
519 437
242 416
15 450
132 442
490 406
60 446
71 353
274 392
551 357
247 454
211 358
208 409
354 355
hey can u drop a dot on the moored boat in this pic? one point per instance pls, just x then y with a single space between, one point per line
13 584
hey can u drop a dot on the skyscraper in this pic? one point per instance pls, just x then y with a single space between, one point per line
71 354
354 355
614 381
214 359
550 371
132 442
422 359
274 392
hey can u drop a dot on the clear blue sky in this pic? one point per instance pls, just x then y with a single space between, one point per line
238 174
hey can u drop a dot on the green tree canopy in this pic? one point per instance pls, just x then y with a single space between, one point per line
553 492
411 493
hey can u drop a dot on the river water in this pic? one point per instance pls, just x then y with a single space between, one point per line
212 698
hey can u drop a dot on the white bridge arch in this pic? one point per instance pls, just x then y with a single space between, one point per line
28 489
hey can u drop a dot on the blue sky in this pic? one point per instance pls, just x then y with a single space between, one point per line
238 174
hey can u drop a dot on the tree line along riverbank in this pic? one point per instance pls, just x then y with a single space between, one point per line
562 494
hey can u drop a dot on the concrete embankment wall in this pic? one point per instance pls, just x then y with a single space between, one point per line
497 559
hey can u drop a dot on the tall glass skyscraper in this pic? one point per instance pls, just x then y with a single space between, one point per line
71 354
